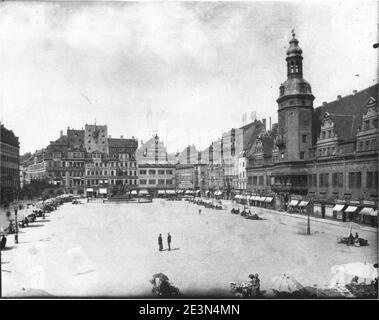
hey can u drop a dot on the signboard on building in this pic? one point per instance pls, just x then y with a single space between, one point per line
103 190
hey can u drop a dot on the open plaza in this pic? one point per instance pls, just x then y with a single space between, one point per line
108 249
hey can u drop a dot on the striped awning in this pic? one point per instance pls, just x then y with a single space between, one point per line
351 209
367 211
293 203
303 203
338 207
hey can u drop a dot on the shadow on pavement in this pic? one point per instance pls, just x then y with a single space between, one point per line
7 248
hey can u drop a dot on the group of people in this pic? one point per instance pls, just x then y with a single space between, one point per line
255 284
160 242
353 239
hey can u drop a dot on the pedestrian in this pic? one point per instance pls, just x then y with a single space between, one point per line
160 242
199 211
169 241
3 242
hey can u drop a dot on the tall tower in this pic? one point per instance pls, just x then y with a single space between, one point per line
295 109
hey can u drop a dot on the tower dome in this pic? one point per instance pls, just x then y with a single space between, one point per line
294 49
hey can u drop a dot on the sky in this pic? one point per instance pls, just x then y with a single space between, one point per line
185 70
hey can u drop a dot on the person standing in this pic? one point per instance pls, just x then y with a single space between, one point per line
199 211
169 241
160 242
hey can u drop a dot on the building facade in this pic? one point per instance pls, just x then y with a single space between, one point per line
10 162
324 159
156 179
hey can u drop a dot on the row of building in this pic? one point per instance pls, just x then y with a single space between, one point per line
325 157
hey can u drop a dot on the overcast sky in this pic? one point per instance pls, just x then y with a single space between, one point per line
187 70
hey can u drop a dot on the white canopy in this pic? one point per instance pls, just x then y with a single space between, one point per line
89 189
170 191
338 207
161 192
303 203
293 203
351 209
366 211
269 199
143 191
134 192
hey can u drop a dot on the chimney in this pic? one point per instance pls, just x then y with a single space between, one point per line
121 137
324 103
61 133
68 128
270 123
339 97
355 92
264 123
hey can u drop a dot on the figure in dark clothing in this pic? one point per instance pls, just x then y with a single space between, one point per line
3 242
169 241
160 242
199 211
356 235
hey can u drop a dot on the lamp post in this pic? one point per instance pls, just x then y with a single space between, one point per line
16 226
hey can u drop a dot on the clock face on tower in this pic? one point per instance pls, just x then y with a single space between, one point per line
304 118
96 133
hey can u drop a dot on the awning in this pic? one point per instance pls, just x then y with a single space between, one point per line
161 192
197 191
237 196
134 192
338 207
103 190
293 203
303 203
351 209
89 190
366 211
206 192
269 199
188 192
218 193
375 213
143 191
170 191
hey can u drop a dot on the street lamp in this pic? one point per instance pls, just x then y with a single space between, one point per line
16 226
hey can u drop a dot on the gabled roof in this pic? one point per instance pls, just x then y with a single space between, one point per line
346 112
122 143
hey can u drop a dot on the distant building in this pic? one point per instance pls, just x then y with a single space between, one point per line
153 151
10 162
156 179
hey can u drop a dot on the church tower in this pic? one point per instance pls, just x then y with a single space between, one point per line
295 109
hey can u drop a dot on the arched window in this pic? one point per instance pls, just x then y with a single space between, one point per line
292 67
297 66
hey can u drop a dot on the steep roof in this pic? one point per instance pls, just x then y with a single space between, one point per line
75 137
251 133
346 112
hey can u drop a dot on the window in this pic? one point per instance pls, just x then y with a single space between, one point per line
160 171
261 180
249 180
268 180
304 138
254 180
351 179
358 180
142 172
151 181
152 172
169 171
301 155
324 180
323 135
160 182
169 182
143 181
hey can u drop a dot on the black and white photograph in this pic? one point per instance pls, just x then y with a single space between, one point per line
189 150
